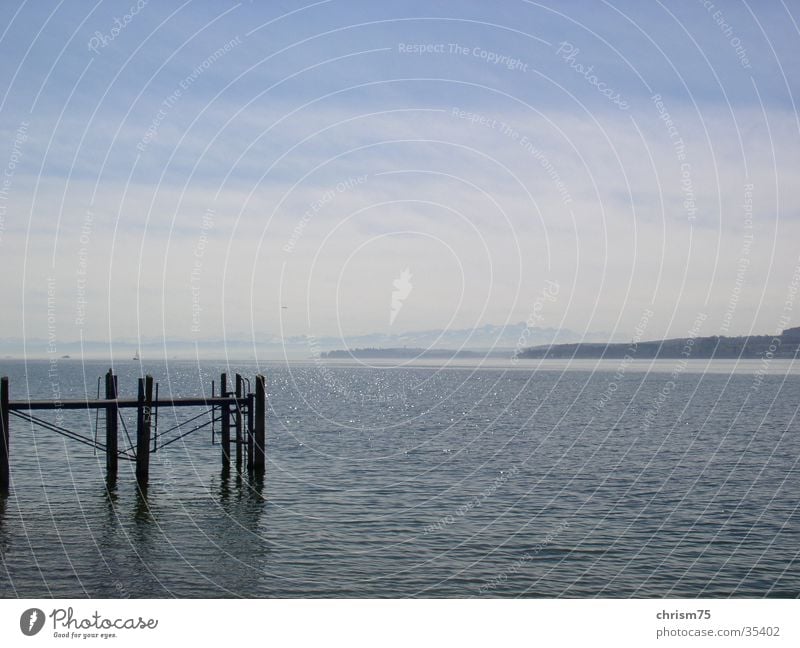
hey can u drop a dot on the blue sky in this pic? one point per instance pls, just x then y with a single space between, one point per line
162 171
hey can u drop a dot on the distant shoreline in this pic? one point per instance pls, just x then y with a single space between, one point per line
413 353
754 347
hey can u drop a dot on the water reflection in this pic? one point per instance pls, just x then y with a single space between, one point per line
4 532
143 514
224 483
111 488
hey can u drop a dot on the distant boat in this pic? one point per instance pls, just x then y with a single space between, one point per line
136 356
65 357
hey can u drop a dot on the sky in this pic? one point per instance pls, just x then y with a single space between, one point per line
257 170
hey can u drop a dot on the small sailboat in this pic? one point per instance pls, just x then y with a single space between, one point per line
136 356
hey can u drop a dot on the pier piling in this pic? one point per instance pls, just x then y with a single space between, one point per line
145 402
112 418
5 472
260 425
238 423
250 430
240 408
225 423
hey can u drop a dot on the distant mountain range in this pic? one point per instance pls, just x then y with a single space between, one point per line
409 352
484 338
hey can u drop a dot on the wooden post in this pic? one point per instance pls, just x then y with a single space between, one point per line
238 421
154 417
250 431
112 418
259 450
5 448
144 409
226 422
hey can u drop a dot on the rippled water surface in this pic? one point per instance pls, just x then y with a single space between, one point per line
532 481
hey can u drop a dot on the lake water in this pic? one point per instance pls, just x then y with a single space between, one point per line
527 480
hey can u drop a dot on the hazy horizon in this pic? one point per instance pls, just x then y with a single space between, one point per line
342 170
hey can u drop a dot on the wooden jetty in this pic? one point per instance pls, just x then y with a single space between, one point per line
237 411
